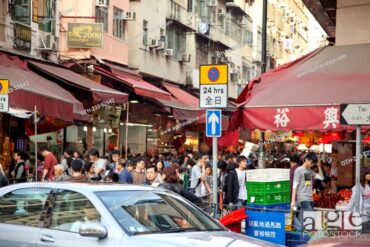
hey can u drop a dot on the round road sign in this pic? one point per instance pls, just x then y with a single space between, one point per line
213 74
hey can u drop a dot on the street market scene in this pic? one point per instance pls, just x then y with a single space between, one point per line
184 123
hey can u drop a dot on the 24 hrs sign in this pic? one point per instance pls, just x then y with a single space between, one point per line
213 86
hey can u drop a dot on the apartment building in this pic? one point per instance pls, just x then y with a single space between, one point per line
172 38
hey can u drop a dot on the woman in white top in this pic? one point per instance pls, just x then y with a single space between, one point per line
364 201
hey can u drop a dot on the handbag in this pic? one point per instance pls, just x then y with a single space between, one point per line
192 190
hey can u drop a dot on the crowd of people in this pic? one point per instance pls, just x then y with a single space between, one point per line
189 175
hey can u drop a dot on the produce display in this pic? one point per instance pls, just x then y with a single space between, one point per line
345 194
328 201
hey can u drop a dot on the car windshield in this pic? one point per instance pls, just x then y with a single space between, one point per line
147 212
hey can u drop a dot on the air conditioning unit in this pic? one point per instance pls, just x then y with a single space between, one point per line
130 16
185 57
168 52
233 70
212 3
44 42
221 12
154 43
161 45
102 3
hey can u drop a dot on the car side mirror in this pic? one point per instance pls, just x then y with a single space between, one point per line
95 230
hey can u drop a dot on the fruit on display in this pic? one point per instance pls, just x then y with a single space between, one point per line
316 197
345 194
328 201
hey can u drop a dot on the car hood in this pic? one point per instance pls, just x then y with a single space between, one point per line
195 239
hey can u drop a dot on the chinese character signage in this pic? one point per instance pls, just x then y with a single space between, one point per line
22 37
85 35
266 226
213 86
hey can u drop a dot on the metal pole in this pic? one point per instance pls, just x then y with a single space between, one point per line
261 164
264 36
214 172
126 130
35 121
358 164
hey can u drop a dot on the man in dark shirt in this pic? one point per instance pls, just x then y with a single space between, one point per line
77 175
294 164
19 173
125 176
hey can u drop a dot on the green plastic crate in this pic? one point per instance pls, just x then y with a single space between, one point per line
268 197
271 187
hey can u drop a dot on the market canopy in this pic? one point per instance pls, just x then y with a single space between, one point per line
134 81
99 91
306 94
28 89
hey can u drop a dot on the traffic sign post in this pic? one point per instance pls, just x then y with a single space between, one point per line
213 86
358 115
213 81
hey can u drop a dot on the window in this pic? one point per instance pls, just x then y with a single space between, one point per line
145 32
190 5
44 13
21 11
71 209
176 40
259 41
23 206
148 212
118 23
102 12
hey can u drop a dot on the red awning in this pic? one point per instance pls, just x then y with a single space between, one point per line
99 92
183 96
305 94
30 90
141 87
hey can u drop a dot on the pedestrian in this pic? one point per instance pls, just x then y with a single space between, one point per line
116 159
90 171
49 162
171 182
197 177
302 199
19 174
237 192
153 177
124 176
77 155
160 166
77 175
364 203
67 161
138 174
295 162
100 164
229 167
3 179
60 173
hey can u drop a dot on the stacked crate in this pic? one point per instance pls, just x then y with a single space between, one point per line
269 190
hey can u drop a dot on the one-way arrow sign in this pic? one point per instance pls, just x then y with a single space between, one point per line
213 123
355 114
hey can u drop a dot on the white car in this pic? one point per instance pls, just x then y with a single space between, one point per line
63 214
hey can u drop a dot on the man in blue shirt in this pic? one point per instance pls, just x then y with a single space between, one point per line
124 175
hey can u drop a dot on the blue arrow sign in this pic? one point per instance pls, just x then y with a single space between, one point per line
213 123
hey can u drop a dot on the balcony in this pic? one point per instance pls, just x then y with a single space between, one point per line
179 14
